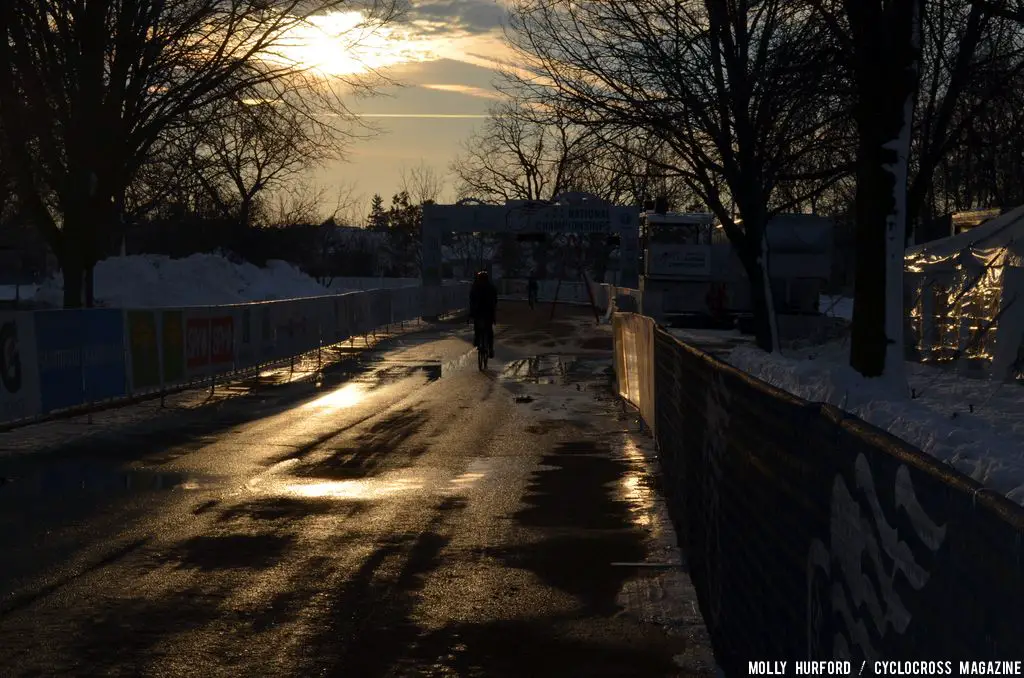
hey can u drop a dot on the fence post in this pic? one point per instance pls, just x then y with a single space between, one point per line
209 354
85 387
319 352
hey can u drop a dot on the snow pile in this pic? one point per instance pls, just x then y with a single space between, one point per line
150 281
986 444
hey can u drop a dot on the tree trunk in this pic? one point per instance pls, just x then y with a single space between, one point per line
871 208
755 264
80 249
887 83
73 272
90 286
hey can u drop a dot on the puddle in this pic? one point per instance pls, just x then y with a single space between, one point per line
355 489
556 368
100 480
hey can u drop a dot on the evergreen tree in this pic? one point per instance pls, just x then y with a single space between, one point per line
404 220
378 219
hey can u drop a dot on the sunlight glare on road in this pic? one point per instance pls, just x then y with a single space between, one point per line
342 398
632 489
353 489
467 479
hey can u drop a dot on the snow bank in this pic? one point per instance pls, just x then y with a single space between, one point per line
149 281
986 444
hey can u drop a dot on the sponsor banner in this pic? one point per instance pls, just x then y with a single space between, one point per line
327 312
359 313
266 331
295 332
172 346
223 339
247 335
197 342
310 312
60 359
143 329
19 373
81 356
379 308
415 308
209 340
405 304
104 364
341 328
433 301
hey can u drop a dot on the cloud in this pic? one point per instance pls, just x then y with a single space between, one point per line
422 115
465 89
462 16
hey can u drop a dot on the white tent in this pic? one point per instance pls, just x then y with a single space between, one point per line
965 295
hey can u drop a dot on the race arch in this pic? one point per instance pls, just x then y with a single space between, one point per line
568 213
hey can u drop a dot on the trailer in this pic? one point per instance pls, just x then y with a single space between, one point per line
691 273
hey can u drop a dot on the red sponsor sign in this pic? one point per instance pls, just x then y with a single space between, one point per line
222 340
197 342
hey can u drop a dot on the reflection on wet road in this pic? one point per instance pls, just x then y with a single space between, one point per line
407 518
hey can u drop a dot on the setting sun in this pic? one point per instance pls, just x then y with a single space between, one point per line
348 43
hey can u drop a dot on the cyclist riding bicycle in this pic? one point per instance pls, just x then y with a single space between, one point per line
483 306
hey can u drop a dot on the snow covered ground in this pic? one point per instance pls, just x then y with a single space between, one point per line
975 425
145 281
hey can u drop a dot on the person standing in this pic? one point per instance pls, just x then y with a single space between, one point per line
531 290
483 307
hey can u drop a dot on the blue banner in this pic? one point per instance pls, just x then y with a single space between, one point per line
103 352
81 356
58 346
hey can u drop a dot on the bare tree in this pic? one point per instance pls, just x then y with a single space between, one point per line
741 94
423 183
632 172
970 62
520 156
307 203
1005 9
259 146
88 88
985 166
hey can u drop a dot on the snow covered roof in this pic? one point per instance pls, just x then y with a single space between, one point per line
997 232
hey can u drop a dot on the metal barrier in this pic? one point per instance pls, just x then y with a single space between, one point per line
62 360
812 535
633 340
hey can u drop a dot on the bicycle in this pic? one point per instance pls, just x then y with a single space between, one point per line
485 342
481 357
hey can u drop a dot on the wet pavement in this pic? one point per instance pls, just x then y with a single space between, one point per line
402 515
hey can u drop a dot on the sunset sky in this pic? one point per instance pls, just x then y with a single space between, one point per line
444 53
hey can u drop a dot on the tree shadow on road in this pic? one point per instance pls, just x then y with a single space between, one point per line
232 551
538 648
370 620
